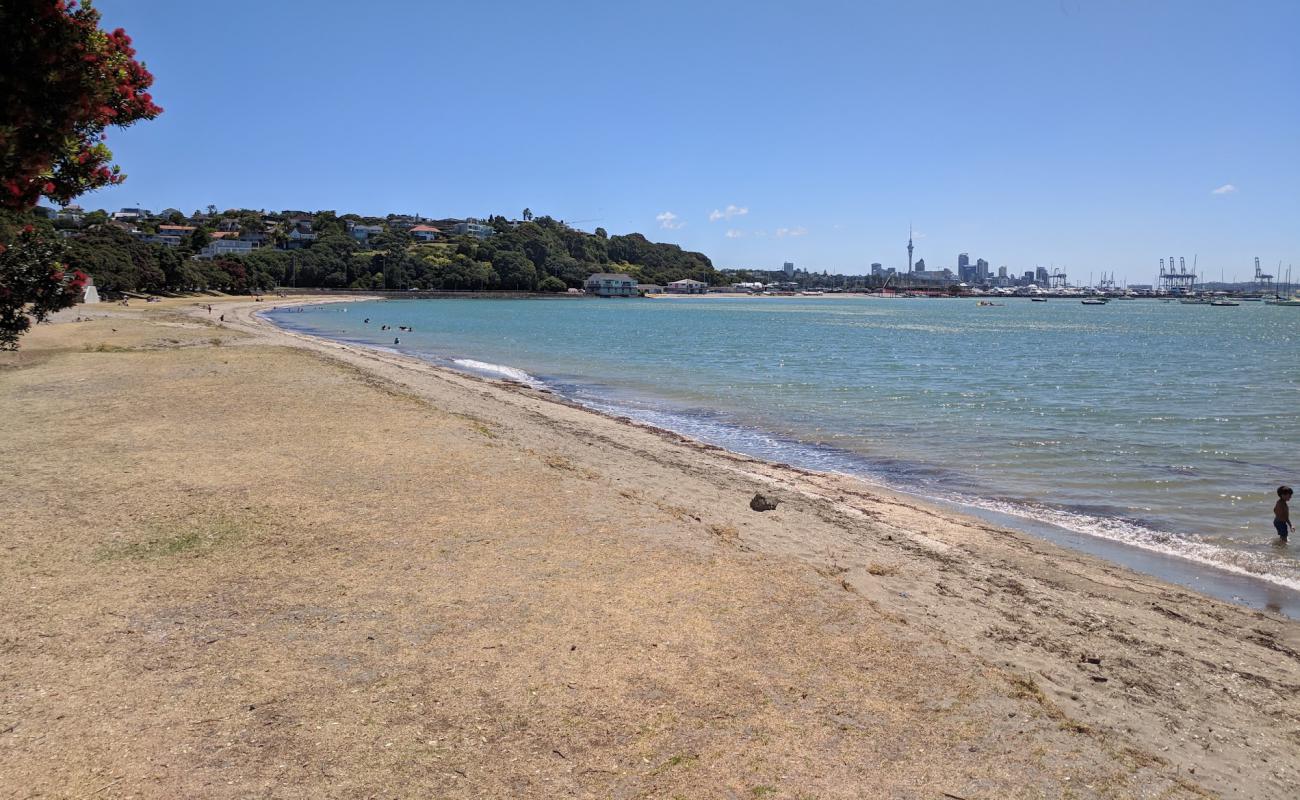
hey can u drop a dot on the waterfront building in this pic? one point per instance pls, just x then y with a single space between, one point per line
688 286
649 288
611 284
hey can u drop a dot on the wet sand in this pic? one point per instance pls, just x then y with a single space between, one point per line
242 562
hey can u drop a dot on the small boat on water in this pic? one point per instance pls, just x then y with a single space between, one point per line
1038 299
1222 303
988 303
1093 301
1195 301
1281 302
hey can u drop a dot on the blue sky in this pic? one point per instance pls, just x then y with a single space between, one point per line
1090 135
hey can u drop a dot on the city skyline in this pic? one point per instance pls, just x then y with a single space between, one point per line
1065 135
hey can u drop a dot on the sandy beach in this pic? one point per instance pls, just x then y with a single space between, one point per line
242 562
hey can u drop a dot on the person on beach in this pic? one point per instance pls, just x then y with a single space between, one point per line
396 340
1282 513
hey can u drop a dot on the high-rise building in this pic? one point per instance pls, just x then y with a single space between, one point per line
1040 276
981 271
909 248
876 269
964 271
1002 271
920 266
788 268
1029 275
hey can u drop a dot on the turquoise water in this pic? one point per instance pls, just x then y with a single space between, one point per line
1154 425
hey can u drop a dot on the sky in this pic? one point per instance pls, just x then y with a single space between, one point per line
1085 135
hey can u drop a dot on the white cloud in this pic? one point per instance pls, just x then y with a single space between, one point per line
727 213
1226 188
781 233
669 220
732 233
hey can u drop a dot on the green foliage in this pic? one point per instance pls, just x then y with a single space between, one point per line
35 281
117 260
542 254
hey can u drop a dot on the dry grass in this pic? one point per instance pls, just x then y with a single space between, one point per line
249 571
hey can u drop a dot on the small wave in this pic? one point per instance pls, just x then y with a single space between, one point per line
497 370
1240 562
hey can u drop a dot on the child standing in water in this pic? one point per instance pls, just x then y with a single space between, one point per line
1282 513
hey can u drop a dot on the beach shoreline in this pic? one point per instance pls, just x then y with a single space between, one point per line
1109 669
832 488
1227 582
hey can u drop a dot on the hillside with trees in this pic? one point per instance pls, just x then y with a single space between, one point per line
538 254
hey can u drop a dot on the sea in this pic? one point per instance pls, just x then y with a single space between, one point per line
1147 432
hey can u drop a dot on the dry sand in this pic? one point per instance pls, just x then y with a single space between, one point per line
243 563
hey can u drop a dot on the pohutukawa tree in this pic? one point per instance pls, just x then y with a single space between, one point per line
63 81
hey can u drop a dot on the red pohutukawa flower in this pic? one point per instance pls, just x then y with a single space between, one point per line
62 82
59 112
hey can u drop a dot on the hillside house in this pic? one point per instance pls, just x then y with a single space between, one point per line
225 247
425 233
362 232
472 227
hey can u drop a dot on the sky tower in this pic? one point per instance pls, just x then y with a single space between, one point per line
909 248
